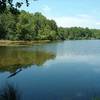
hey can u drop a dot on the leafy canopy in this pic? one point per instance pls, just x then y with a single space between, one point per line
5 3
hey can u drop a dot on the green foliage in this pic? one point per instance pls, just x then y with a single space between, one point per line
76 33
4 3
27 26
7 25
96 33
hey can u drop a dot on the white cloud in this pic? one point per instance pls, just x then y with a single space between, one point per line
84 16
46 9
82 20
98 23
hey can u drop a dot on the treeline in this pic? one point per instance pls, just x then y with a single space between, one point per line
78 33
27 26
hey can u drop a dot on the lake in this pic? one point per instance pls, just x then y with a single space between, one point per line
68 70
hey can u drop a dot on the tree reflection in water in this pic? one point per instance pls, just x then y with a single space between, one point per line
9 92
12 59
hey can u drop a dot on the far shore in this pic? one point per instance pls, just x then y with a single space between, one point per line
21 43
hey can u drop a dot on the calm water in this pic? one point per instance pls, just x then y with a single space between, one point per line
67 70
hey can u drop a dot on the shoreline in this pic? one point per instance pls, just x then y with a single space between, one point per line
28 43
22 43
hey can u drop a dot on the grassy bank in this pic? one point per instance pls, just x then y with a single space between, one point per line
15 43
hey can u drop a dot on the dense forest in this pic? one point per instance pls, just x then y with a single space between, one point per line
26 26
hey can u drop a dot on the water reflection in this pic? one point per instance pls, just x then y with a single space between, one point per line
9 92
13 58
14 73
72 74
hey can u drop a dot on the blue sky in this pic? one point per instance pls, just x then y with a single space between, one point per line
68 13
